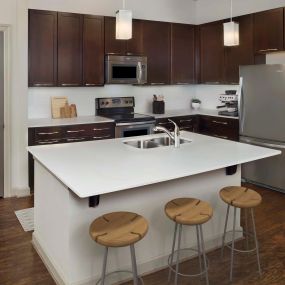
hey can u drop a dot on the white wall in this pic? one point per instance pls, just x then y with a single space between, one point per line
13 13
211 10
182 11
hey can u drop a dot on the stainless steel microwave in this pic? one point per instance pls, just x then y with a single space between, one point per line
126 69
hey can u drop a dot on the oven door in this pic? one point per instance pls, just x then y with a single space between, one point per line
124 130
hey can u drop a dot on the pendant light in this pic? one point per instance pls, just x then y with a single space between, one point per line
231 31
124 25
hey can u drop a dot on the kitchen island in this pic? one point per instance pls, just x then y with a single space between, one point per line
126 178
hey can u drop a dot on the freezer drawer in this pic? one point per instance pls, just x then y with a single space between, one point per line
269 172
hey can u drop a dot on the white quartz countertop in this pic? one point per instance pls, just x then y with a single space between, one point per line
49 122
106 166
188 112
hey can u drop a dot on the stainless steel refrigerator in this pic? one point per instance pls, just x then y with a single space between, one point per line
262 121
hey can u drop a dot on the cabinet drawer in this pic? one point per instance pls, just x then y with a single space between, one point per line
76 131
49 141
48 133
186 123
102 131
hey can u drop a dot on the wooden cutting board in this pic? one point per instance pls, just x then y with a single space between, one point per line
56 104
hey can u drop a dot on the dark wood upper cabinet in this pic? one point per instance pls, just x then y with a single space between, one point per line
269 30
243 54
113 46
212 53
182 54
123 47
156 46
134 45
42 48
93 50
70 49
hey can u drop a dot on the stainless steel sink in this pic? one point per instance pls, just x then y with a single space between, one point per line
153 143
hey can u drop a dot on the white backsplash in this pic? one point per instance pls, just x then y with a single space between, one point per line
176 97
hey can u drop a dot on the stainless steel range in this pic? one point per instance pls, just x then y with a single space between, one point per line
121 110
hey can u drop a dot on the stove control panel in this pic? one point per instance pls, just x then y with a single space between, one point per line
115 102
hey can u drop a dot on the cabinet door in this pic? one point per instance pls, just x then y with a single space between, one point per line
93 50
212 53
243 54
113 46
134 46
182 54
268 30
42 48
69 49
156 46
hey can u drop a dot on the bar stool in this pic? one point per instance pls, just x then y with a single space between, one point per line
246 199
119 229
188 212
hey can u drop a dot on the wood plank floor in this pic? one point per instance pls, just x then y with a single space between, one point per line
20 264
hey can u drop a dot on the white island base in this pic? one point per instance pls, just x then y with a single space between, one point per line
62 221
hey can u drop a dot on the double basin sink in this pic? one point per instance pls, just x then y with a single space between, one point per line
154 142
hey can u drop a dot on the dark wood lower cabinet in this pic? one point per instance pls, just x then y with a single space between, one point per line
225 128
66 134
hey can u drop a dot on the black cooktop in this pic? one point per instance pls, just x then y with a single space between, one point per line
129 117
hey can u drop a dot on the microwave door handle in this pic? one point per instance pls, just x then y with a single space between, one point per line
139 78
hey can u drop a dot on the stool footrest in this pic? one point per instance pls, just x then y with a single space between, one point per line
120 271
187 275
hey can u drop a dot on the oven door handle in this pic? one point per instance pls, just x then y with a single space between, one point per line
135 123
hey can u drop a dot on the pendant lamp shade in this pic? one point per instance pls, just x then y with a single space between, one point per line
124 27
231 34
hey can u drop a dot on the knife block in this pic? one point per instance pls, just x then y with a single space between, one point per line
158 107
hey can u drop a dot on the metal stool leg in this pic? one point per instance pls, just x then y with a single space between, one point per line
225 230
134 264
204 255
104 267
199 249
246 227
178 254
172 252
233 245
256 242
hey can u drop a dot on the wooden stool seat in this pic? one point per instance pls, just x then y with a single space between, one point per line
189 211
118 229
240 197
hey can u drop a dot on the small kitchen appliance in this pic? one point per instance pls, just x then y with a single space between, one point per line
230 104
127 122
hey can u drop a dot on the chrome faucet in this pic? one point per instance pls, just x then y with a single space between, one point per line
174 137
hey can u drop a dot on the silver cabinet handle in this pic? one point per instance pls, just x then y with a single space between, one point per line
102 137
48 142
222 137
269 49
75 139
101 129
69 84
48 134
90 84
42 84
183 121
163 124
77 131
220 123
182 83
157 83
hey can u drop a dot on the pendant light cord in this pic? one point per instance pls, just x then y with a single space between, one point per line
231 10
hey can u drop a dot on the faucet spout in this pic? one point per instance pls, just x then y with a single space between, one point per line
174 137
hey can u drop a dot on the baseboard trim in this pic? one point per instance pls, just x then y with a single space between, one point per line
50 265
22 192
147 267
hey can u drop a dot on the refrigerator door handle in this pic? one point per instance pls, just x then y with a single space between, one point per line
241 104
261 143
